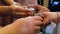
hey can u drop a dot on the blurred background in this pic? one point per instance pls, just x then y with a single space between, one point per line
53 5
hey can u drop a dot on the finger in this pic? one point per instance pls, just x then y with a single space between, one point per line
37 28
23 12
41 8
37 7
46 17
25 7
38 23
17 8
40 14
46 20
19 13
37 18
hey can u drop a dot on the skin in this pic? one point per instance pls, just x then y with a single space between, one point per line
14 7
48 18
40 8
28 25
10 2
40 11
52 16
59 16
18 25
21 10
13 10
7 12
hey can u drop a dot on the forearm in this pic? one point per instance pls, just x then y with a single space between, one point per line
11 29
56 18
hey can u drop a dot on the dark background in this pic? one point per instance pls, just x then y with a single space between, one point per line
54 5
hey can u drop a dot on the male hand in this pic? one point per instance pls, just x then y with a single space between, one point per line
21 11
50 16
40 10
29 25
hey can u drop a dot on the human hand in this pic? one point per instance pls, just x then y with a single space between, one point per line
29 25
21 11
50 16
40 8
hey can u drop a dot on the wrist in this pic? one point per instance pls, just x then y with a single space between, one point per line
54 17
58 15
